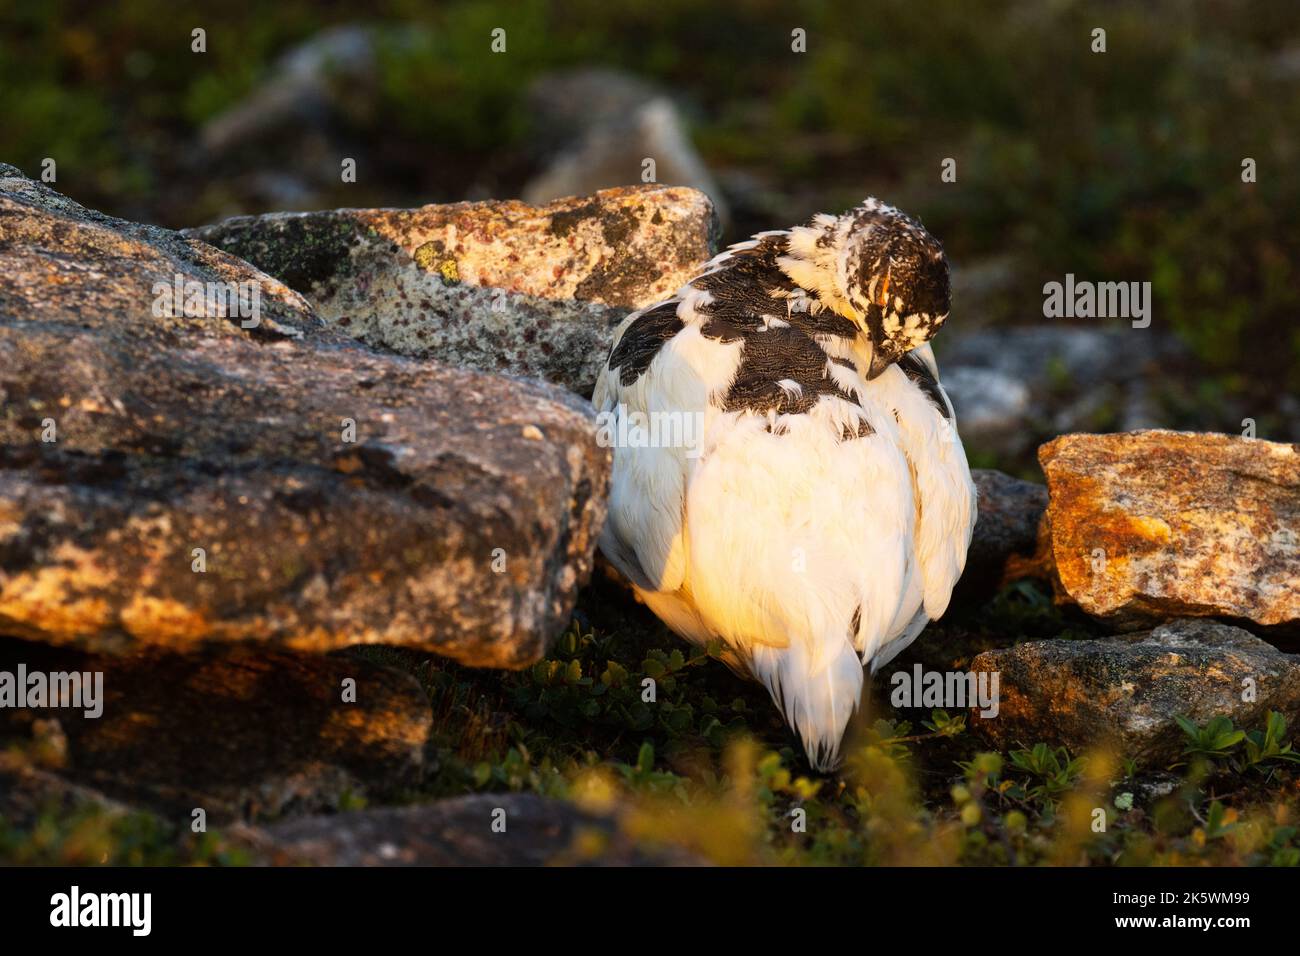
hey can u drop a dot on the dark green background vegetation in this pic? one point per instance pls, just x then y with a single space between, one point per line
1124 165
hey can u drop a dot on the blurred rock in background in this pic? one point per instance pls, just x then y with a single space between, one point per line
312 101
1014 388
597 128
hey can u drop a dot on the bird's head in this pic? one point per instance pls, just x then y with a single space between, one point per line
894 276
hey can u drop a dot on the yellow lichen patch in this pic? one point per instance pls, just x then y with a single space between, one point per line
431 259
163 621
54 600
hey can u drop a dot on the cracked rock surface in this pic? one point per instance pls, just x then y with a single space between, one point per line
1147 525
168 479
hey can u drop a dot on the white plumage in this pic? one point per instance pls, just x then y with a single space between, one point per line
824 517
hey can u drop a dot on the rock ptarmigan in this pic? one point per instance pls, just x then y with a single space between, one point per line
787 476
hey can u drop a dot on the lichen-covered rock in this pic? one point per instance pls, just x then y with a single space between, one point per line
495 286
1124 692
242 733
1006 531
494 829
1147 525
171 478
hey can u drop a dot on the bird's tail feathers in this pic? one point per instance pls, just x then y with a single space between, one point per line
818 686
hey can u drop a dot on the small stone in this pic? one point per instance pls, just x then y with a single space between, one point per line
1006 531
1124 692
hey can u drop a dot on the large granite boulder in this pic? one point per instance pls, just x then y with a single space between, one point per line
187 454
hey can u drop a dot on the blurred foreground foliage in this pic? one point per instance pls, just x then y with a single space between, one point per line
709 768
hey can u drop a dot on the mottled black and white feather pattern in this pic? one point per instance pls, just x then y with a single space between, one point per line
825 516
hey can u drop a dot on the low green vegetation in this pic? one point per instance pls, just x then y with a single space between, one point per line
709 767
706 766
89 834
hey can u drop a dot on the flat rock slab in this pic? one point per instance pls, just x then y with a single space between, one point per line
1153 524
456 832
496 286
173 479
244 733
1125 691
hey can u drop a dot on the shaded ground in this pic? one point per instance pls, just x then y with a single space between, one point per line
709 770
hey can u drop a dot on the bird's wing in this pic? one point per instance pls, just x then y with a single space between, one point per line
944 490
643 533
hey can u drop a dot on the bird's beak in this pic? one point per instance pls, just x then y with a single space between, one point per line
879 362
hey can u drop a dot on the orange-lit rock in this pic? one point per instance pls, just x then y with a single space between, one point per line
169 478
1152 524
